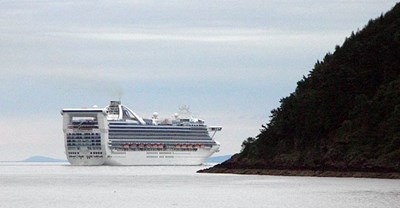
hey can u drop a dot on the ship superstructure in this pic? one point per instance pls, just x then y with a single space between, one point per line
115 135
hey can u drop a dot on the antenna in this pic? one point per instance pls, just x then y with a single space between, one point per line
184 111
120 96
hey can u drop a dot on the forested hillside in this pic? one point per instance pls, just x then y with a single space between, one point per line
344 115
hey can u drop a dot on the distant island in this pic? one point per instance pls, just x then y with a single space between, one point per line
218 159
343 119
42 159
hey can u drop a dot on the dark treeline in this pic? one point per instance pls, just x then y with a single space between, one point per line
345 115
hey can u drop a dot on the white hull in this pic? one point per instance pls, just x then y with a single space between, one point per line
173 158
80 161
159 158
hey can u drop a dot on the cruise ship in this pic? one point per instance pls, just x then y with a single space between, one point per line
116 135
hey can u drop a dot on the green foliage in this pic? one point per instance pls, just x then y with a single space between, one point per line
249 149
346 111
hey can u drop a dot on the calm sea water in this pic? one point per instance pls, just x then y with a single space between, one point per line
61 185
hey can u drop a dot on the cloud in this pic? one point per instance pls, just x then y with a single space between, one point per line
213 35
157 54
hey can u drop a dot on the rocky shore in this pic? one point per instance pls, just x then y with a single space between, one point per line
317 173
236 165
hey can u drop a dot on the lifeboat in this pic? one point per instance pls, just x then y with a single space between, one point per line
126 146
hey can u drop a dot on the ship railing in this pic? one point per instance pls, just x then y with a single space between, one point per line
76 126
155 149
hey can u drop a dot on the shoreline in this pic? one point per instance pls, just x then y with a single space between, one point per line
315 173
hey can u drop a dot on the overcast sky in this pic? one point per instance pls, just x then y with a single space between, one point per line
230 61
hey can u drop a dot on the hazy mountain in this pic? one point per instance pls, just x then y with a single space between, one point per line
42 159
219 159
